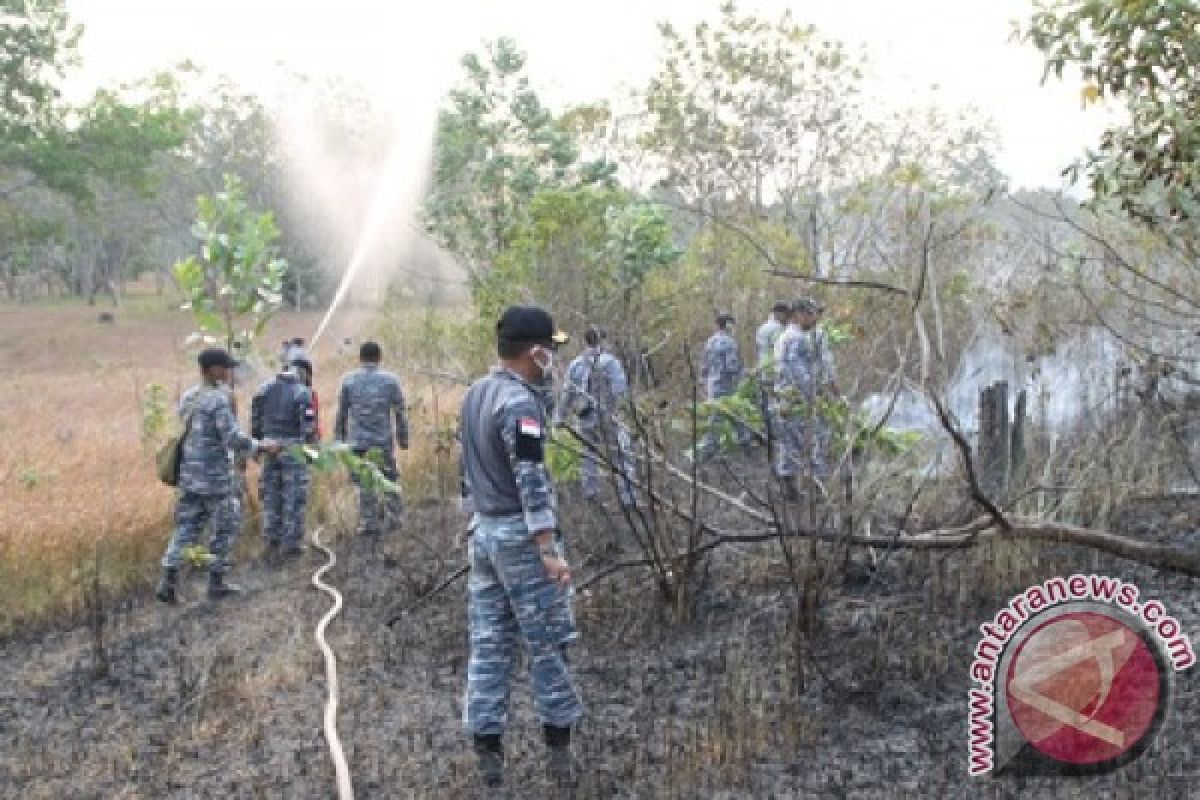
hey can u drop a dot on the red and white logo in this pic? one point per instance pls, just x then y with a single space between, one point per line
1084 688
1073 674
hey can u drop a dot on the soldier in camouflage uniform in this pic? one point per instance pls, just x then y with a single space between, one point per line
804 373
721 372
596 382
368 401
764 342
283 410
766 336
518 589
207 490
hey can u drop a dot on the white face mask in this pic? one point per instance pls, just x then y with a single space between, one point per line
547 366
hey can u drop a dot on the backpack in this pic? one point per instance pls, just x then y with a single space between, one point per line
170 455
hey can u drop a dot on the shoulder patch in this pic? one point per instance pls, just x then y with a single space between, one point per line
529 445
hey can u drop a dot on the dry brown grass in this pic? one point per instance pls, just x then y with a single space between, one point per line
77 483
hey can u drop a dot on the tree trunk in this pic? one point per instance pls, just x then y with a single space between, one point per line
995 439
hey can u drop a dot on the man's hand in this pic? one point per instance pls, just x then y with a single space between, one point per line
557 568
271 447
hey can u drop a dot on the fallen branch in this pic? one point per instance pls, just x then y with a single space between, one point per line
992 525
448 581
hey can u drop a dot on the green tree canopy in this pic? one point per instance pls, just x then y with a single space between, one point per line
1146 55
497 147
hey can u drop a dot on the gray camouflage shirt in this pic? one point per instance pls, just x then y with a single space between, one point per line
206 467
722 365
503 433
282 409
764 340
595 383
803 361
368 401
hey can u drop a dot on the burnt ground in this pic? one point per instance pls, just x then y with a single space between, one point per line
226 702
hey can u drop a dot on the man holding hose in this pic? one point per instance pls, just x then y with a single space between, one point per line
518 586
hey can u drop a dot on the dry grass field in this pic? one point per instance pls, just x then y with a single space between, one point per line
81 507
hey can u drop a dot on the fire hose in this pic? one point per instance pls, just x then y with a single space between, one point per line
345 791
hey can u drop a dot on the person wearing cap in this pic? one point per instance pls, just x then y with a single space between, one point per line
595 384
369 400
721 371
804 372
207 488
293 348
283 410
518 586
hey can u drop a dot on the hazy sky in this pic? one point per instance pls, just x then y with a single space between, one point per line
405 50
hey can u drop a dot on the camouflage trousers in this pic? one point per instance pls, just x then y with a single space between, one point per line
802 444
283 490
614 442
510 598
378 514
192 513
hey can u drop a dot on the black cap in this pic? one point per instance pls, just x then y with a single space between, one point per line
781 308
724 319
531 324
301 361
807 304
215 357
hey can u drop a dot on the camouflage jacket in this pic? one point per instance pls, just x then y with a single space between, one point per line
803 361
368 401
502 428
764 341
722 367
595 383
213 432
283 409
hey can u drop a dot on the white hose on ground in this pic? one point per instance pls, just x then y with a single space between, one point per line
345 791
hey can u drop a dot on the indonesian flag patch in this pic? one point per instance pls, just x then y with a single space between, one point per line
529 426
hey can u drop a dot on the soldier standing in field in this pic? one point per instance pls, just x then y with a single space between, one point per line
207 489
519 579
283 410
596 383
721 371
369 400
804 373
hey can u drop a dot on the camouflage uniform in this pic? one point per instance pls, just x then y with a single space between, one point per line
596 382
764 341
282 410
509 594
803 369
721 371
368 401
207 489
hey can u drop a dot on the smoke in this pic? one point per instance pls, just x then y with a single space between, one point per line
354 90
355 176
1065 387
358 156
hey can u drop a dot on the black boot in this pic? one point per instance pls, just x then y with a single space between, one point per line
167 585
561 770
489 759
218 587
790 493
